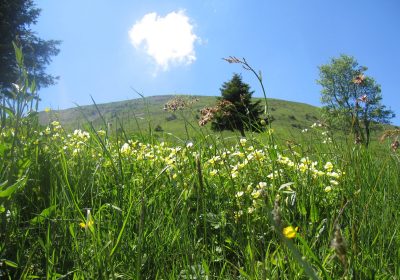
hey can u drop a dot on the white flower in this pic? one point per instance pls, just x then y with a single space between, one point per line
261 185
239 194
125 149
333 182
328 166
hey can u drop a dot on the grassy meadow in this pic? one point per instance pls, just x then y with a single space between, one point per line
83 199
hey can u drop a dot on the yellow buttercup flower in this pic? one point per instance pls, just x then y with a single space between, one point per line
290 232
90 223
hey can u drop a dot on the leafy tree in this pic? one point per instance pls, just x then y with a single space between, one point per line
351 99
16 17
236 111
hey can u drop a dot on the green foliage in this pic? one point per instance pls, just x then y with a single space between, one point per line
351 99
84 205
237 112
97 208
16 18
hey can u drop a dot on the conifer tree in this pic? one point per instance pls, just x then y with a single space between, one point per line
16 19
237 112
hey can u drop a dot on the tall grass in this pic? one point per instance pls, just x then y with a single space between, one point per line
86 205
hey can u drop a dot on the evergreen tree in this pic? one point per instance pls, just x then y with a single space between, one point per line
236 111
16 18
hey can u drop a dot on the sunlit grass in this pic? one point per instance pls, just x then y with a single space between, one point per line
98 207
100 202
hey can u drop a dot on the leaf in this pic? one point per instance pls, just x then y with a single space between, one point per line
7 110
314 212
10 263
13 188
18 54
43 215
2 185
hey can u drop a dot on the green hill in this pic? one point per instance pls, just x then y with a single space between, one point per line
143 114
140 114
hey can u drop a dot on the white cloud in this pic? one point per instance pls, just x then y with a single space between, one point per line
168 40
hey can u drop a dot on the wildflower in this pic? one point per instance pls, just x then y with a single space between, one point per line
101 132
249 188
55 123
250 210
125 149
272 175
189 145
328 166
261 185
290 232
75 152
259 155
334 182
213 172
243 141
328 189
47 109
239 194
89 221
234 173
256 193
238 214
238 153
333 174
304 130
327 140
86 225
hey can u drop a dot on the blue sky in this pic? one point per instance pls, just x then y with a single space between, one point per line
109 48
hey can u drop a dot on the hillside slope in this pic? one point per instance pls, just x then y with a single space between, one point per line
138 114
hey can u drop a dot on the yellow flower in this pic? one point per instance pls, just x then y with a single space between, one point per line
213 172
256 193
89 224
47 109
290 232
89 221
